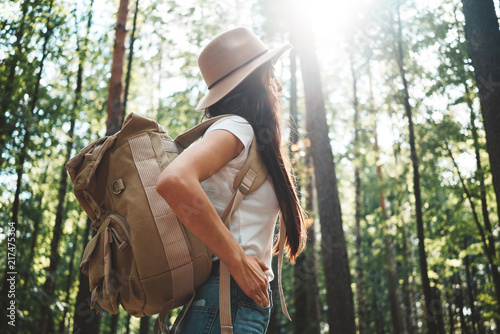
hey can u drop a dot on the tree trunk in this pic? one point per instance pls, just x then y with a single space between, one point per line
433 308
451 324
130 58
274 320
34 233
127 323
339 296
379 325
69 281
357 181
397 318
306 319
488 242
459 301
50 282
437 295
408 287
86 320
114 323
397 314
483 36
470 291
115 106
144 327
307 307
407 263
484 204
479 175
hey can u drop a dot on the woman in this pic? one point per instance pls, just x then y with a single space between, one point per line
238 70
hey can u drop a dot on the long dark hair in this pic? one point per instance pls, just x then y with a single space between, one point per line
257 101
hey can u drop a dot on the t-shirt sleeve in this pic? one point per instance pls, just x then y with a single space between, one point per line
239 127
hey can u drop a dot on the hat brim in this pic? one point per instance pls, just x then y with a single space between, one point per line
226 85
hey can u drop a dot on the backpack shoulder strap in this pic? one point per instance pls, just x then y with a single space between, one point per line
255 164
190 136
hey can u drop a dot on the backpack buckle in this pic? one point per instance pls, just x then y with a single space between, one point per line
244 188
118 186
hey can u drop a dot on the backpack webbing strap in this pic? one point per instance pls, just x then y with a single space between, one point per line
225 277
176 249
167 307
280 265
190 136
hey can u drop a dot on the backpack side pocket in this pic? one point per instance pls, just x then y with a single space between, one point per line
108 250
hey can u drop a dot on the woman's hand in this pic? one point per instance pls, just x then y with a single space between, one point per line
250 277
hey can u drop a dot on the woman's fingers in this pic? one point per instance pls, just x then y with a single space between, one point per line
263 292
252 280
262 264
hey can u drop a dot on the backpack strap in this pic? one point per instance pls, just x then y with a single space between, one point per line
280 265
248 183
190 136
225 278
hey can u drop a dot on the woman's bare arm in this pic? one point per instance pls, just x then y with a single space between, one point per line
180 185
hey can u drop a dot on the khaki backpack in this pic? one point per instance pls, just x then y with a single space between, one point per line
142 256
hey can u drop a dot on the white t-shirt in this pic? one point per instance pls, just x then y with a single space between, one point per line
252 224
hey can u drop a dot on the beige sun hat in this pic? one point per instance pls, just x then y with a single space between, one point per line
231 57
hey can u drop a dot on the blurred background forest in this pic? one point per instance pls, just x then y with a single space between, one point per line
392 111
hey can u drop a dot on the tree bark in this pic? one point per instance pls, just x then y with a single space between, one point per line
409 287
357 181
274 320
306 318
451 323
459 301
69 281
34 233
397 318
86 320
307 308
483 36
397 314
115 106
114 323
127 323
470 291
50 282
407 263
488 242
433 308
479 175
130 58
339 295
144 327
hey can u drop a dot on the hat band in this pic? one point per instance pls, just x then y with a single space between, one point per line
237 68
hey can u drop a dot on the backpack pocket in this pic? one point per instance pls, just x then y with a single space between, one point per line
107 261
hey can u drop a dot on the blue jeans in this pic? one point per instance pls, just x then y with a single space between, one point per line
203 315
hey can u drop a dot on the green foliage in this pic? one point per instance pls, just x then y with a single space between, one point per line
38 101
